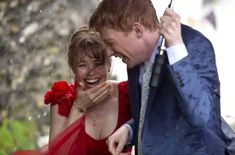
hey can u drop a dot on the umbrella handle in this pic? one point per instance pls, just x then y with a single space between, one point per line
159 60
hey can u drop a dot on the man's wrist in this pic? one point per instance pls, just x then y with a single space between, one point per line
176 53
130 135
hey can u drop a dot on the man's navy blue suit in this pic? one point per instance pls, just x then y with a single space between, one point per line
183 113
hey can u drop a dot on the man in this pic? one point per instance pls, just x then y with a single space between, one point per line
183 112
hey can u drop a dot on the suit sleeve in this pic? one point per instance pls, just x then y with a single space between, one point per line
197 84
131 127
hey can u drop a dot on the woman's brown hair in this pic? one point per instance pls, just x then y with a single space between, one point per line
85 42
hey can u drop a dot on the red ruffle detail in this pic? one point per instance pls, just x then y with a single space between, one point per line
63 94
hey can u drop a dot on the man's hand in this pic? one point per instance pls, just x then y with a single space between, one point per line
170 27
117 140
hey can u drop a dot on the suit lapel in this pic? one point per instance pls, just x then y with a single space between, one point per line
153 91
134 90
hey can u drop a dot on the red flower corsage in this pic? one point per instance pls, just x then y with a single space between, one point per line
63 94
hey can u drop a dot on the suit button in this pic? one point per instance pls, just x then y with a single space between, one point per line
181 82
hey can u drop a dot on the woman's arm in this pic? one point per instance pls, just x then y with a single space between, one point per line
74 115
57 121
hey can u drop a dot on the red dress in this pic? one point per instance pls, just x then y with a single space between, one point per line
99 147
74 140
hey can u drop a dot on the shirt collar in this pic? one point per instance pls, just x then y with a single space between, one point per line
155 50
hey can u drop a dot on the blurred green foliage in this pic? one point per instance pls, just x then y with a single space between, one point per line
16 135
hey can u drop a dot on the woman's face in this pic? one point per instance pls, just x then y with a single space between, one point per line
91 71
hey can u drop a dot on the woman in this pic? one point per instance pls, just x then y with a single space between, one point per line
85 113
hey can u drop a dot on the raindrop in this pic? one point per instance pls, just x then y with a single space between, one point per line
38 116
44 114
27 57
46 62
29 118
21 40
11 61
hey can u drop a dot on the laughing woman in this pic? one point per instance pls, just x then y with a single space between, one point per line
85 113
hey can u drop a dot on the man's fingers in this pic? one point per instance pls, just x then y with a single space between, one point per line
115 146
117 140
111 146
119 148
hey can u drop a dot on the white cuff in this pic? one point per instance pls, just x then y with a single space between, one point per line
176 53
130 134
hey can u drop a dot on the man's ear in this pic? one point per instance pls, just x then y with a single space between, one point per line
138 29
